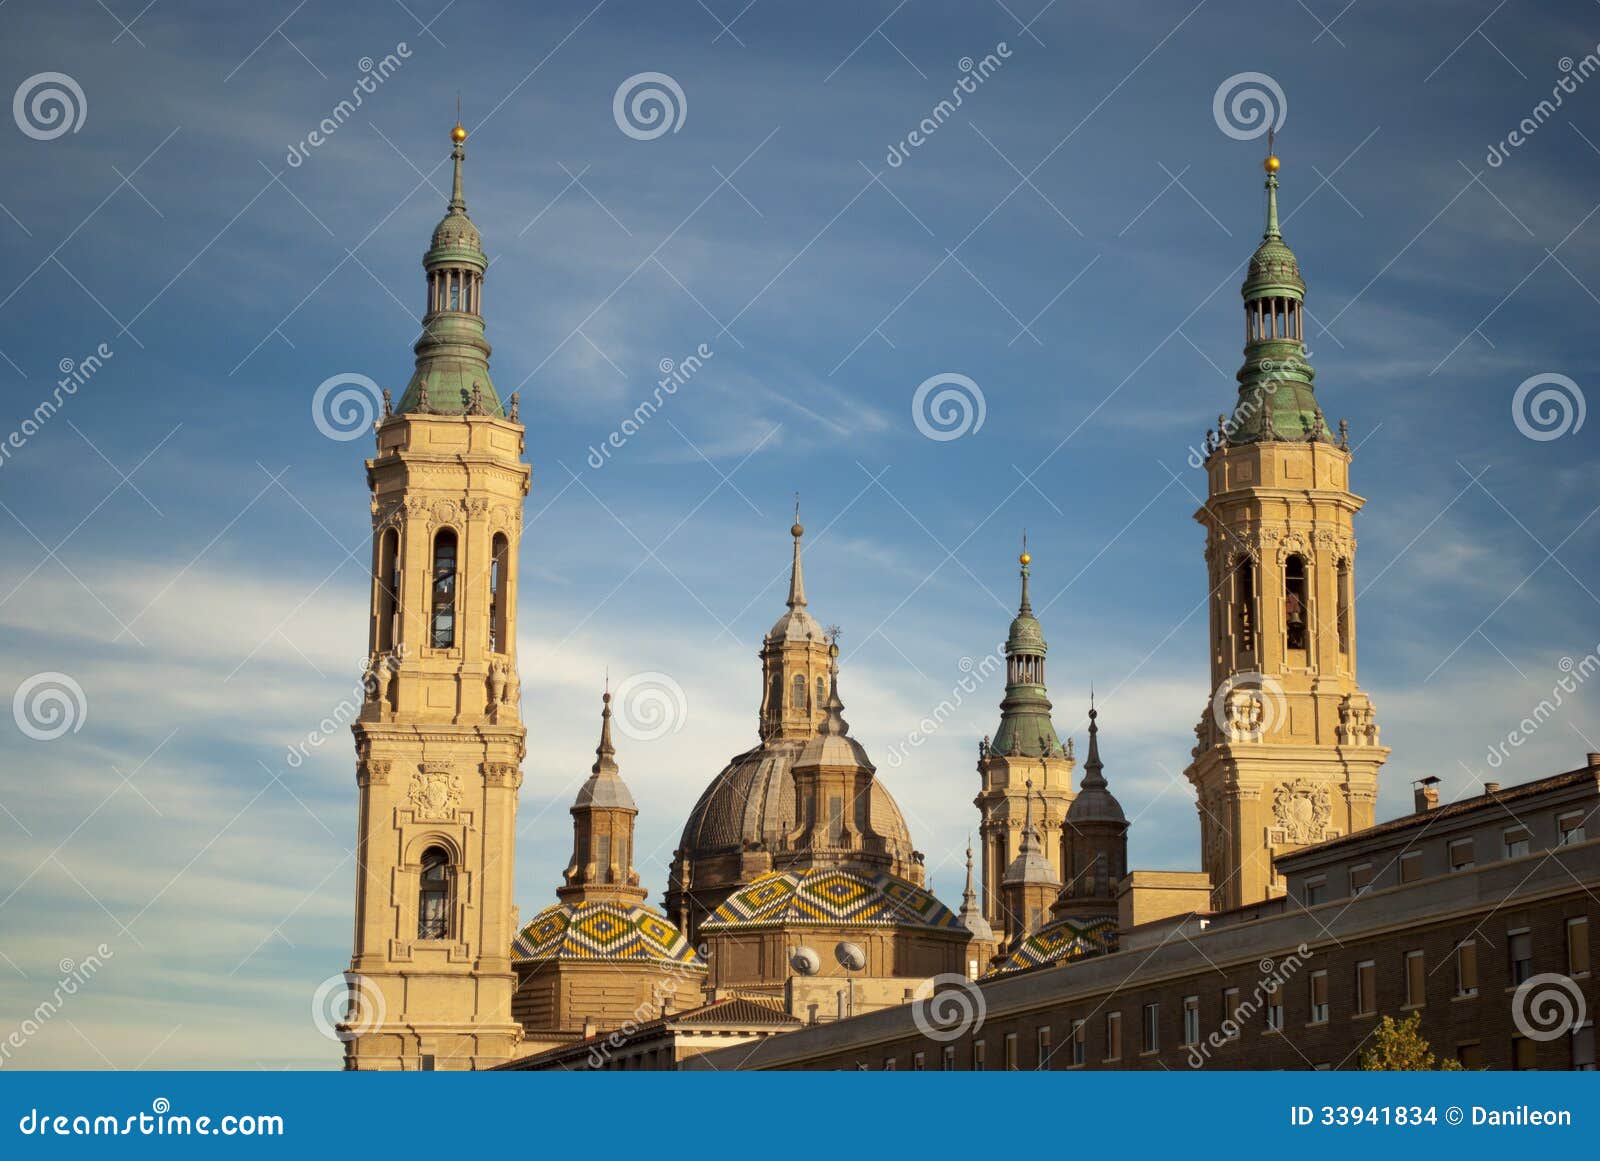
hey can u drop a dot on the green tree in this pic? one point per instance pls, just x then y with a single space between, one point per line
1398 1046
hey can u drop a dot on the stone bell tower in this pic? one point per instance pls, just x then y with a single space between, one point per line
1288 750
439 742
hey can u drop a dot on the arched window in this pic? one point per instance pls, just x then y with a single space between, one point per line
433 896
499 571
443 634
388 602
822 693
797 695
1294 602
1244 603
1344 606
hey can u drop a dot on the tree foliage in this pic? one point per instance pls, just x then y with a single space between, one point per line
1398 1046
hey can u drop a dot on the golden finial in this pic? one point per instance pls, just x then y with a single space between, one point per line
458 134
1271 163
799 529
1025 559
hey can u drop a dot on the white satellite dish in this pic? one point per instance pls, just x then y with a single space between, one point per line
805 961
850 956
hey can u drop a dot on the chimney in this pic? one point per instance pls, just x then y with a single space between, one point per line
1427 794
1594 760
588 1027
1491 788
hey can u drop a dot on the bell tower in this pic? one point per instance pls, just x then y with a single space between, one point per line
1288 750
440 741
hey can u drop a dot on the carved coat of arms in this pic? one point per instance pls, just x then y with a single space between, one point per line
435 793
1302 811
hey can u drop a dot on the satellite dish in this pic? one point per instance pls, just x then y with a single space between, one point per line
805 961
850 956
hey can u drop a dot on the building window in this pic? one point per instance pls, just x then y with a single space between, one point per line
917 1063
433 896
425 1063
1416 979
1011 1051
1583 1048
1461 855
1275 1012
1042 1038
499 606
1571 829
1518 842
1470 1056
444 589
1152 1027
1519 946
1113 1035
948 1063
1230 1013
1467 968
1524 1054
1191 1020
1080 1042
980 1055
1244 600
1578 946
1343 582
388 602
1366 988
797 694
889 1064
1319 997
1316 890
1411 866
822 693
1360 879
1294 602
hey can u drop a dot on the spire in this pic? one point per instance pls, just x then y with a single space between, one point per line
1026 608
1025 728
1271 166
797 582
971 915
605 753
1030 865
1093 768
458 135
1094 802
834 724
601 867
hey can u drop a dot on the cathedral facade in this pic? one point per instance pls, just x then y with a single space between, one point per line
796 895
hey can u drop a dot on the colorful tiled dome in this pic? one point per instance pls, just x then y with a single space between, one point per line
602 931
1060 941
824 896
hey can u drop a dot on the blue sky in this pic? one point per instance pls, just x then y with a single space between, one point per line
184 543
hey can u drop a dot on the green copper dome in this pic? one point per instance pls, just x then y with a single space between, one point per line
1025 725
452 372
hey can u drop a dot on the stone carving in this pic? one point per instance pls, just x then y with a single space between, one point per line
502 774
1302 810
435 792
1244 711
1357 726
497 683
373 772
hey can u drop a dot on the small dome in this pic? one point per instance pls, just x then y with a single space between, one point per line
605 790
1059 941
602 931
1273 264
796 625
828 897
456 232
1095 804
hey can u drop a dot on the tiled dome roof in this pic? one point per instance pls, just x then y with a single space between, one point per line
831 897
1062 940
602 931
